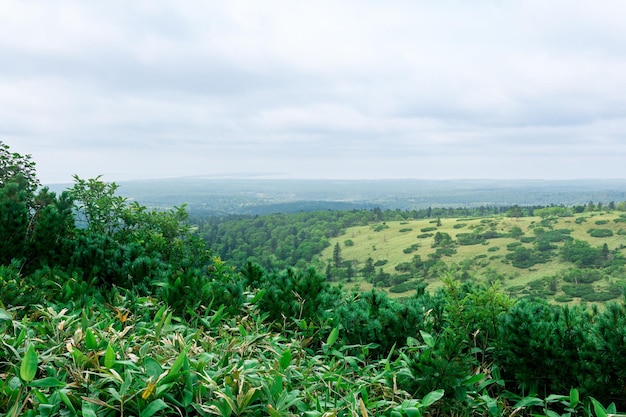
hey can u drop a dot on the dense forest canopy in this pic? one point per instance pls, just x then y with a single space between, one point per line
110 308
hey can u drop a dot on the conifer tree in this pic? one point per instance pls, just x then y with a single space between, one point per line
337 255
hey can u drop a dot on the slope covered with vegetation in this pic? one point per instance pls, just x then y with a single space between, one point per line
556 254
111 309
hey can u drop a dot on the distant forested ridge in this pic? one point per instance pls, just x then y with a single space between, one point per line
280 240
212 196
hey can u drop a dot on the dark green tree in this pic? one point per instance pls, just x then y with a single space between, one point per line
349 271
581 253
17 168
369 269
99 208
337 255
34 224
14 220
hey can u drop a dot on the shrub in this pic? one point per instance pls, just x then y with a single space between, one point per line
403 267
380 262
513 245
582 276
402 287
381 227
428 229
405 229
516 288
542 347
459 225
577 290
600 232
467 239
523 257
399 279
445 251
411 248
581 253
425 235
612 293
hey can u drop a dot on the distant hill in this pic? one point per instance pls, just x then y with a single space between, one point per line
578 257
260 196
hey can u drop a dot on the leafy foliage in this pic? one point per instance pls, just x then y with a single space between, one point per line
18 169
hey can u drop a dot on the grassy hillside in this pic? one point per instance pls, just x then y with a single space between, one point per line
484 248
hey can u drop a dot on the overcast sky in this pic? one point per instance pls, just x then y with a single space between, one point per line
315 89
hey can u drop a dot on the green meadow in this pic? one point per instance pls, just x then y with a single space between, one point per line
482 248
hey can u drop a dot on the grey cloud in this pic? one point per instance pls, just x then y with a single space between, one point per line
442 88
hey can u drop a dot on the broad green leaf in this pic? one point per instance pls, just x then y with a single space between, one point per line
428 339
88 409
555 397
90 340
153 367
159 313
41 397
109 357
528 402
46 410
217 316
611 409
143 350
574 398
179 362
273 412
164 321
28 368
128 381
47 383
432 397
285 359
228 402
598 408
257 297
332 337
412 342
474 379
276 389
153 408
4 315
20 338
412 412
246 399
79 357
188 390
177 365
114 393
66 400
